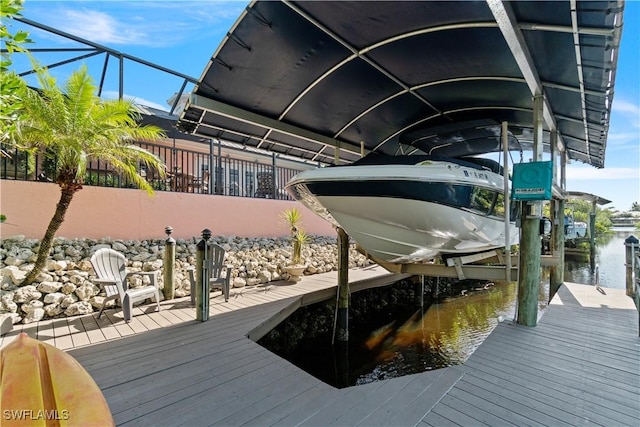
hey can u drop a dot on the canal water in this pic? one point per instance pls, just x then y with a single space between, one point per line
392 334
610 253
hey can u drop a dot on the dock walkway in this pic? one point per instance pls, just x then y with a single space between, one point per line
579 366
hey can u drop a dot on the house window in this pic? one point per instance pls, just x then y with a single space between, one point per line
234 182
249 183
219 180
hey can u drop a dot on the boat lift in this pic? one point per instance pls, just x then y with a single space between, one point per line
489 265
540 183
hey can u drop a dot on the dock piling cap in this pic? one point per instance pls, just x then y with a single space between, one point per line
631 240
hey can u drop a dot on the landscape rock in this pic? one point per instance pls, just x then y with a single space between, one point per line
77 308
26 294
65 286
49 287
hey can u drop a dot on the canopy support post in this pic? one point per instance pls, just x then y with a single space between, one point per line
342 307
530 244
507 200
556 273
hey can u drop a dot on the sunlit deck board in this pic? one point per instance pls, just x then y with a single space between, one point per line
9 336
62 334
78 334
93 330
45 331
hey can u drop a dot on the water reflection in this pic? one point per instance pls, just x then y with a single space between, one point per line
396 339
443 335
391 336
609 259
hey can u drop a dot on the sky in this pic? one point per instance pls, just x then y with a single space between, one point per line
183 35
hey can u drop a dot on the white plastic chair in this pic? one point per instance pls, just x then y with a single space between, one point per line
215 268
110 267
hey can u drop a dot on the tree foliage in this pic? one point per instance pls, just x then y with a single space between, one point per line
77 127
581 211
12 85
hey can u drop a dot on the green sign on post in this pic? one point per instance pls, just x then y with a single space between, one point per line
532 181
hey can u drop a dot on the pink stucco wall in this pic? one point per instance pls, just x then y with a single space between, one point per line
128 214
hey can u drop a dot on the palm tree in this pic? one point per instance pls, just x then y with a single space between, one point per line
77 127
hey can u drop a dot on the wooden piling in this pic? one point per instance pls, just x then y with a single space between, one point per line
530 242
169 288
631 246
592 236
202 276
556 273
529 283
342 327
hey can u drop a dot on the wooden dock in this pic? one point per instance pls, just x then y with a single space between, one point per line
579 366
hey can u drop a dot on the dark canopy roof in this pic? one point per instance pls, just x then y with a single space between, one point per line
304 77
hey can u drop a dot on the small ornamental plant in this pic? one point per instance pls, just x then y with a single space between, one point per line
299 237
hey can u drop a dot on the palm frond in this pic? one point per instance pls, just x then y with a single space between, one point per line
79 127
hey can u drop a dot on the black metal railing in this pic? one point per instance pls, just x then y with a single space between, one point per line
188 171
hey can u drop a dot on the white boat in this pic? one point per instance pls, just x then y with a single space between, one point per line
411 209
575 229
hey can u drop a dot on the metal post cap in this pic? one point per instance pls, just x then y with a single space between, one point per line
168 230
206 234
631 240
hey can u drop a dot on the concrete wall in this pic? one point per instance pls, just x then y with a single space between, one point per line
128 214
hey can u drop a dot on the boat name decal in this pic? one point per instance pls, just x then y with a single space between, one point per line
476 174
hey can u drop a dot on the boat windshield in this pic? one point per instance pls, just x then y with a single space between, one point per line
470 162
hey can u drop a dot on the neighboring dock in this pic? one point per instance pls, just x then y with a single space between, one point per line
579 366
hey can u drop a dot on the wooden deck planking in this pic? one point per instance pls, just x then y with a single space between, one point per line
10 336
92 329
289 407
107 327
562 355
45 332
435 420
357 414
257 400
483 415
233 381
580 404
426 400
579 366
555 360
553 381
401 402
474 401
346 400
162 400
79 337
571 369
448 414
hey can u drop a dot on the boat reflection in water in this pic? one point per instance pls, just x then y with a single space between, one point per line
389 340
445 334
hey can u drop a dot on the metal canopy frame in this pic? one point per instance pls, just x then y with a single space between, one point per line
95 49
592 198
331 81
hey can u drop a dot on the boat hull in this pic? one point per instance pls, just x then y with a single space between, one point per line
407 214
